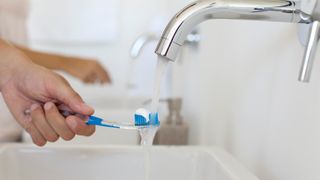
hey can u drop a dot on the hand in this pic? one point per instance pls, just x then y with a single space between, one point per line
89 71
25 85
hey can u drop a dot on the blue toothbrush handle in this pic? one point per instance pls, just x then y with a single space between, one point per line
93 120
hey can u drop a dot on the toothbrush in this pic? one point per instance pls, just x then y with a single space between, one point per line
142 119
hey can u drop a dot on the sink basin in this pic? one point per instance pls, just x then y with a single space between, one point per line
21 162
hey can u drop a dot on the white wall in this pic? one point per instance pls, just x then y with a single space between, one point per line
242 93
133 20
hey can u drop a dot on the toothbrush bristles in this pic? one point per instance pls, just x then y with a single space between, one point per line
140 121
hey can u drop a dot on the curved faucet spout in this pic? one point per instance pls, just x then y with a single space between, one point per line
197 12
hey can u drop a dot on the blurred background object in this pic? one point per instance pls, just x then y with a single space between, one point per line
173 129
13 17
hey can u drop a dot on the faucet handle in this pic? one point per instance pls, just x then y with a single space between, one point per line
140 42
310 52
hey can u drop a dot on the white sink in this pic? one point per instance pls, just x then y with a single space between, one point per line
20 162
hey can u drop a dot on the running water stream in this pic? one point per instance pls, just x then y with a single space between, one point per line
160 70
147 134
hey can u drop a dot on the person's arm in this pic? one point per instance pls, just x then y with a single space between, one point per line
87 70
26 86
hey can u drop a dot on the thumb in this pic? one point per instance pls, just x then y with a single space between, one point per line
66 95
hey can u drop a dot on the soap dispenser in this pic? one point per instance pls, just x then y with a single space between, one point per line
173 131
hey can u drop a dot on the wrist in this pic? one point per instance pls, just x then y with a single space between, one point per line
67 64
11 62
57 62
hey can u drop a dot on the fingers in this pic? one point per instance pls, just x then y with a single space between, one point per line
66 95
79 126
70 126
18 108
36 136
91 78
57 122
103 75
88 70
49 125
40 122
96 73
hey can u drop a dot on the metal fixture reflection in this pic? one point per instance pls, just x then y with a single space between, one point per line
261 10
192 39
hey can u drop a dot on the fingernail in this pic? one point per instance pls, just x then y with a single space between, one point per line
48 106
34 107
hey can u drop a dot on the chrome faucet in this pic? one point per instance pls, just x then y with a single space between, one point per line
192 39
261 10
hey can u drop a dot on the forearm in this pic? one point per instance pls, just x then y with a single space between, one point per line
88 70
51 61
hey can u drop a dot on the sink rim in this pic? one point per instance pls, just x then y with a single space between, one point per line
228 162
